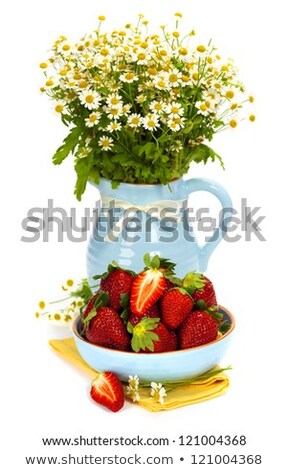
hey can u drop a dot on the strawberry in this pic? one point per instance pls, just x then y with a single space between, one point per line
117 282
147 287
153 312
198 328
176 305
151 336
201 289
107 390
103 325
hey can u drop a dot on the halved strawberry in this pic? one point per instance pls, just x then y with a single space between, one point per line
147 287
201 289
107 390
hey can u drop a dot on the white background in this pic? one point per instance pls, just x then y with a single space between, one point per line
40 394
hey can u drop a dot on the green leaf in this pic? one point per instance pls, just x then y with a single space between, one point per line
130 327
68 146
224 327
124 302
82 167
147 260
155 262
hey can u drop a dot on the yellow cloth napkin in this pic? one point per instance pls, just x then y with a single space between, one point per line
181 395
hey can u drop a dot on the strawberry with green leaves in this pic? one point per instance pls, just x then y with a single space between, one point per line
176 304
151 336
201 289
117 282
197 329
103 325
147 287
153 312
107 390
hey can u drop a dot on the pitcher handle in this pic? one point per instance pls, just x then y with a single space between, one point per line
203 184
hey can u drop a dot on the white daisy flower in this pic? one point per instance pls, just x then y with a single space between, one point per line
93 119
133 381
114 113
158 392
134 120
128 77
150 122
175 124
114 126
90 99
105 142
173 77
174 109
133 393
114 101
157 106
59 107
126 108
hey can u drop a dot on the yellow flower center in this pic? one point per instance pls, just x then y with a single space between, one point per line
203 107
41 304
158 106
185 78
183 51
175 34
135 121
233 123
63 72
104 52
163 53
59 108
173 78
144 45
70 282
174 110
49 82
83 84
101 18
141 56
129 76
251 99
89 99
66 47
224 68
152 71
229 94
114 112
201 48
43 65
252 117
114 100
195 75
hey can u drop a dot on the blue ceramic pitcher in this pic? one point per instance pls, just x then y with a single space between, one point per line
132 220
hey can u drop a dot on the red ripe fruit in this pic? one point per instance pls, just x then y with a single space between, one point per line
201 289
151 336
176 305
198 328
147 288
153 312
107 329
167 340
117 282
107 390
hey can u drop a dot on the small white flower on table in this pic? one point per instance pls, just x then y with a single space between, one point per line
158 392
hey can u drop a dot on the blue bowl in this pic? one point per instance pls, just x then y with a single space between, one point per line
166 366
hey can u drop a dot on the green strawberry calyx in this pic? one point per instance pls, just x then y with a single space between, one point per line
112 267
193 281
212 311
101 300
143 335
156 262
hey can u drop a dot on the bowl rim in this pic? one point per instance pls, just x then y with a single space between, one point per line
217 340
